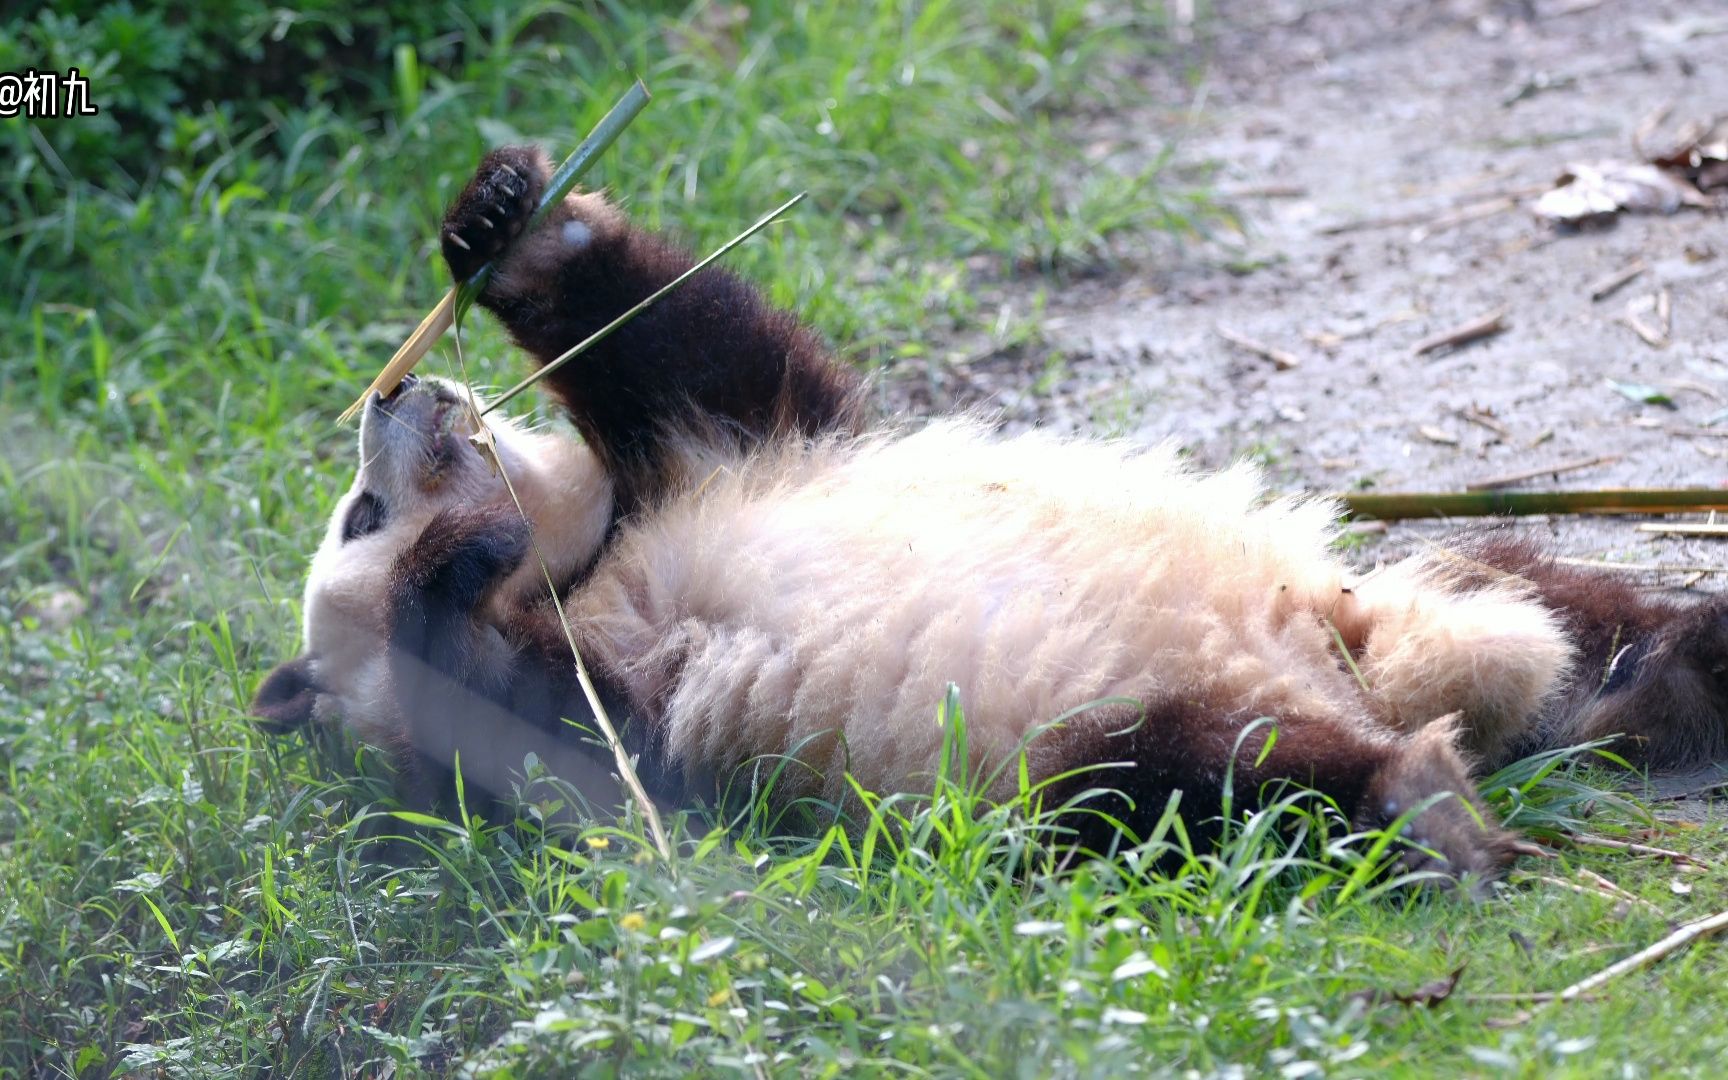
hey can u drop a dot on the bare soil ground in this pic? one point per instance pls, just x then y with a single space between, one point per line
1384 155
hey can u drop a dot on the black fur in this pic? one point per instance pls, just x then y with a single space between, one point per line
285 698
1205 752
366 516
484 693
1652 670
712 359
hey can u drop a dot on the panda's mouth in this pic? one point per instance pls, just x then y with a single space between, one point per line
419 415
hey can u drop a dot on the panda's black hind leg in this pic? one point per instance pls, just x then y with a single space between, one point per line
493 209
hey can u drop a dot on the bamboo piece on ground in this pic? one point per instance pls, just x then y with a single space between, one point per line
460 296
1697 528
1632 848
1412 505
1608 286
1474 330
1281 359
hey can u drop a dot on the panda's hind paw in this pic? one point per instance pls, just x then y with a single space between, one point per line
493 209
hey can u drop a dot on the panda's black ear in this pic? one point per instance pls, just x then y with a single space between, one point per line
285 697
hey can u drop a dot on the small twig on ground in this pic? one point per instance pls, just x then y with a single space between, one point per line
1640 568
1631 848
1575 7
1614 890
1462 215
1597 886
1530 474
1693 528
1649 335
1613 283
1264 191
1281 359
1481 419
1586 989
1486 326
1679 939
1702 389
1390 221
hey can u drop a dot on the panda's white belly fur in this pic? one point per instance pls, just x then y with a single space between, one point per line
836 591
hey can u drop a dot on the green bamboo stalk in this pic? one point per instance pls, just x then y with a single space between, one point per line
563 179
1397 506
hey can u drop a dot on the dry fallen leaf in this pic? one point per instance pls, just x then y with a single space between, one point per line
1697 146
1427 995
1593 191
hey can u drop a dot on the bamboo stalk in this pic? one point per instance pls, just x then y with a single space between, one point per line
456 302
1631 848
1396 506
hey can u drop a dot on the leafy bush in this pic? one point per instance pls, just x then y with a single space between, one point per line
159 74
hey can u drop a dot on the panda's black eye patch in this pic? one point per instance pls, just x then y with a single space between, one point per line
365 517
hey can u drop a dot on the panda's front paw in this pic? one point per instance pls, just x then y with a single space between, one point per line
493 209
459 556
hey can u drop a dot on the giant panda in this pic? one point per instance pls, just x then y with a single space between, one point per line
752 571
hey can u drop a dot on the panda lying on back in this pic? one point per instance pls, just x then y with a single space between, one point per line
750 572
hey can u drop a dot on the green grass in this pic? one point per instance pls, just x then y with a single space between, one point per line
182 896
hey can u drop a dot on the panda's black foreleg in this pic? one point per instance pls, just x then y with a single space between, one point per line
710 362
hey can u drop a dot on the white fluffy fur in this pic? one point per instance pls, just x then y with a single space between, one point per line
822 597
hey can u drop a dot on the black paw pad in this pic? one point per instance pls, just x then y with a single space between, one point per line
493 209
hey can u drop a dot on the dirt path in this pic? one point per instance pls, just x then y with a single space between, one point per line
1395 147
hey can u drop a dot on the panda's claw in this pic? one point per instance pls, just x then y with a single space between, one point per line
493 209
